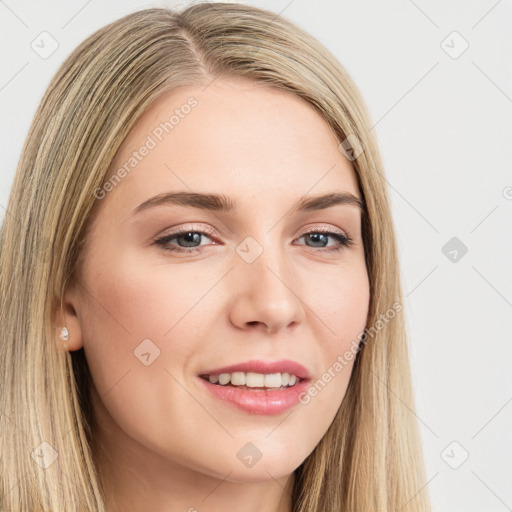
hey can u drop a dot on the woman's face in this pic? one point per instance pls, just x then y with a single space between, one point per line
246 284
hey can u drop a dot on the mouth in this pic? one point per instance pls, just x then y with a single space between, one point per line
260 394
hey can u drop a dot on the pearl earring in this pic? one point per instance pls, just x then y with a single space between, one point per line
64 335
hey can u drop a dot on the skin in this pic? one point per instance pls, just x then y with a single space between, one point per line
167 444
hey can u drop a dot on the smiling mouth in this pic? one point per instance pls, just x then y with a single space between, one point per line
278 394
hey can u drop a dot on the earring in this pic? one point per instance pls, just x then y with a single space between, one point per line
64 335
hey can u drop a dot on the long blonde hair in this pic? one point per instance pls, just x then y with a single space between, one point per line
371 457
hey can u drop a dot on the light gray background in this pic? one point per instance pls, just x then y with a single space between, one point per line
443 122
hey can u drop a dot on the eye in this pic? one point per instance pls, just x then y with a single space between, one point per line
321 236
191 239
187 236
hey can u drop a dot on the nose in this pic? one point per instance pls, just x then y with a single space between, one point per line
266 294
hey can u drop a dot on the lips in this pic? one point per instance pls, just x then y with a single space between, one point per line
262 402
259 366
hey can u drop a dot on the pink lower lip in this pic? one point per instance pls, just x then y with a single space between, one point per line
269 402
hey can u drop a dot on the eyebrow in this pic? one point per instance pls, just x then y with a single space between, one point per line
223 203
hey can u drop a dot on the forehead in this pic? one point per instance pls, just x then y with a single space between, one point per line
234 137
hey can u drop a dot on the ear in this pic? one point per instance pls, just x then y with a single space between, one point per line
66 316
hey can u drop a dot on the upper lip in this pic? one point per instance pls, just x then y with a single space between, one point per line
258 366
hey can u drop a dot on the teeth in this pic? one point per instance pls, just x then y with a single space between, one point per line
224 378
237 378
272 380
254 380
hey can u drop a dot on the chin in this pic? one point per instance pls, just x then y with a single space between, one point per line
262 471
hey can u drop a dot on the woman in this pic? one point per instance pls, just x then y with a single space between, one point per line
200 217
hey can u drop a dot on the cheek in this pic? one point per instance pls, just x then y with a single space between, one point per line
129 303
139 300
342 304
138 339
340 316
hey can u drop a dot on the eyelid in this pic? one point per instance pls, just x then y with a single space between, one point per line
323 227
173 231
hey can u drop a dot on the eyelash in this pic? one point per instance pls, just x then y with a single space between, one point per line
344 240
